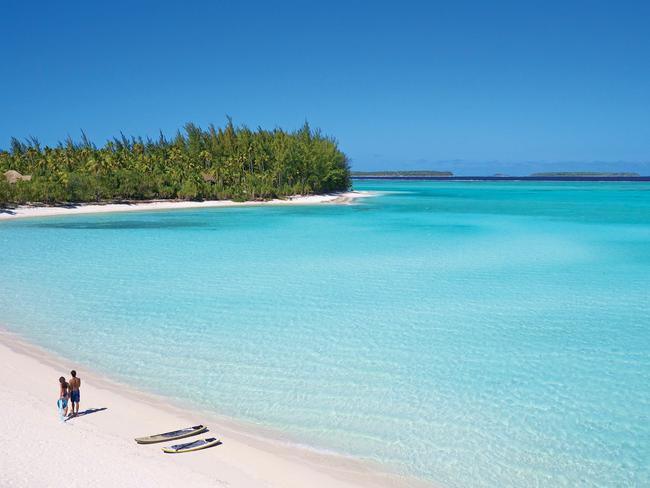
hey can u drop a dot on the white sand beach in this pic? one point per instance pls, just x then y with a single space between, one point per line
97 449
88 208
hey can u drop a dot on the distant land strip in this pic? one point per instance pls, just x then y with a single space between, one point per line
546 176
403 173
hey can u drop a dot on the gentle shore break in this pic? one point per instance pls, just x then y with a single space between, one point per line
101 446
91 208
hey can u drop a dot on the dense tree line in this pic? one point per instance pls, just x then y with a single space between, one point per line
218 163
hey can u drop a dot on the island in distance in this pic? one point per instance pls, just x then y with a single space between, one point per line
552 176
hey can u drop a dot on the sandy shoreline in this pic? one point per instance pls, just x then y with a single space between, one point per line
48 211
38 449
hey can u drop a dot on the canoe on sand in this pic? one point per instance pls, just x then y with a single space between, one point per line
192 446
173 435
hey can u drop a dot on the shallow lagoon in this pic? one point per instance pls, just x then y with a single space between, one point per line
471 333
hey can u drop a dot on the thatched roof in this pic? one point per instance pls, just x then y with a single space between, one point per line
13 176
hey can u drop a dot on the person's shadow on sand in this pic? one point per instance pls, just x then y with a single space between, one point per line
86 412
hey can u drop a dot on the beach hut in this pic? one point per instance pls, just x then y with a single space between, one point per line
13 176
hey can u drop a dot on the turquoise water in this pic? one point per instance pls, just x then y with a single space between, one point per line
474 334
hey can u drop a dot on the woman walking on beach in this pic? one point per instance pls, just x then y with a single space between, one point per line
62 402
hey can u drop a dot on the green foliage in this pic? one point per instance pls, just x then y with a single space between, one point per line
5 192
229 163
189 190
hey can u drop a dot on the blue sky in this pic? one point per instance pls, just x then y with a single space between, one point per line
476 87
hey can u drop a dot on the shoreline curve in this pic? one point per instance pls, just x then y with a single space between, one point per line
31 211
250 457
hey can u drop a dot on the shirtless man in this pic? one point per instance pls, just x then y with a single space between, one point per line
74 383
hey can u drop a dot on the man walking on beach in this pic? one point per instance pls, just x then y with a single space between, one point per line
74 383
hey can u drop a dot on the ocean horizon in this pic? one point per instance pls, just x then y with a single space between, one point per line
466 333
